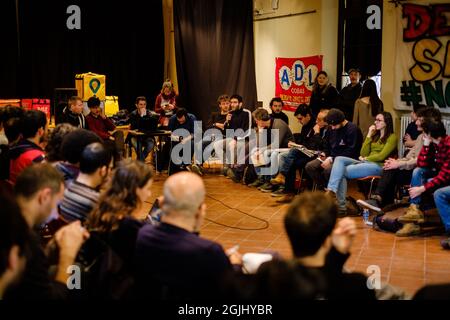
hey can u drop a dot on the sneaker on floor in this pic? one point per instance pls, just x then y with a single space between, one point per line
278 180
413 214
342 212
256 184
370 204
195 168
445 244
408 230
279 193
287 198
266 187
224 171
230 174
331 194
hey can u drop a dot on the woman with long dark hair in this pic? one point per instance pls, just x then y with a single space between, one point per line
380 143
120 210
324 94
367 106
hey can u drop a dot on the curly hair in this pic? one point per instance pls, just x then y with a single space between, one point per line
120 199
55 139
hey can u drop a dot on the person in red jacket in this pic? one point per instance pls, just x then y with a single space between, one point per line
100 124
28 150
165 103
432 173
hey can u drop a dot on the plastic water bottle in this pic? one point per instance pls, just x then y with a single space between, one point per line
366 214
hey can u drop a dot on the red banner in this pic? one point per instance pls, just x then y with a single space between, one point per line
294 78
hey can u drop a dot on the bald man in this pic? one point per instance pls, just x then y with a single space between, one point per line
172 261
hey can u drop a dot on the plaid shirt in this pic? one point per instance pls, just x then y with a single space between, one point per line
436 157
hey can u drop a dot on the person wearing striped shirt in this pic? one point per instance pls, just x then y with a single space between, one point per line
82 195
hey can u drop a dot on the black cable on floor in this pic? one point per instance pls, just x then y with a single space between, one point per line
245 213
236 209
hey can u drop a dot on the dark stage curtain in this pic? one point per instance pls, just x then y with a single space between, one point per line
214 52
123 40
362 46
8 49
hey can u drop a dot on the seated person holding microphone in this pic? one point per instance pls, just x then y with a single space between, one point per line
142 121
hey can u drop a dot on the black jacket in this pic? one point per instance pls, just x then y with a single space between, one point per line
326 98
178 264
281 116
288 280
36 283
306 133
345 141
240 119
77 120
216 117
348 96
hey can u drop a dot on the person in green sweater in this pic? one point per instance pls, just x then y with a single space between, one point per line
380 143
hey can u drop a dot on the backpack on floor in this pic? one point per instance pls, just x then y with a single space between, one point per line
388 220
249 175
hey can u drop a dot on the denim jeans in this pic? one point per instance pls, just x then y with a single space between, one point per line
289 160
442 200
146 143
419 177
272 158
347 168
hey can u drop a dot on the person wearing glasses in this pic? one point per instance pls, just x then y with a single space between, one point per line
380 143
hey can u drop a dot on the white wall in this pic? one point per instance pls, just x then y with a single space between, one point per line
292 37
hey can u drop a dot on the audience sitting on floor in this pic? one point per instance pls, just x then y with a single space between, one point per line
311 139
273 136
172 261
367 106
350 94
397 173
14 244
73 113
104 128
28 150
431 175
276 105
72 146
81 196
343 139
380 143
38 188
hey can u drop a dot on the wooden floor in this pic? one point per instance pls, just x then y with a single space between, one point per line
408 263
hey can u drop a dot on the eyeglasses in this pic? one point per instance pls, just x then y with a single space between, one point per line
379 120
